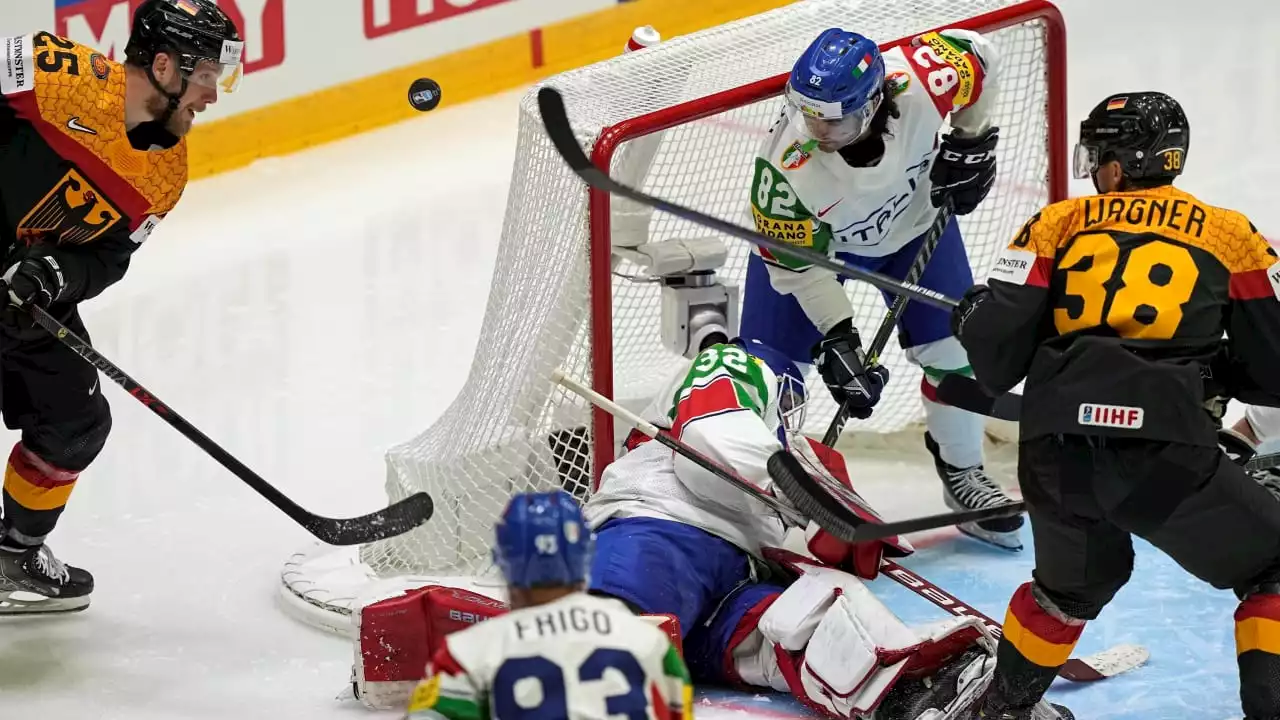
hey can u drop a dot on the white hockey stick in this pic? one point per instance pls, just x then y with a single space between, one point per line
1098 666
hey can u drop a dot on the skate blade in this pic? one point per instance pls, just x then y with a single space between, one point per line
1005 541
21 602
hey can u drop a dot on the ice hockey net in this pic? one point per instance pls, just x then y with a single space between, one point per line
557 300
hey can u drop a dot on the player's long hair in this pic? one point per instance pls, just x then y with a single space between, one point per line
871 147
888 110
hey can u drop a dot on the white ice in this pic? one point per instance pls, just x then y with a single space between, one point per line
309 311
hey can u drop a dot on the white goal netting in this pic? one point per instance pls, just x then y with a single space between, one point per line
511 428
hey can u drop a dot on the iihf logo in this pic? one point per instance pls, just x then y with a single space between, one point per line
1113 416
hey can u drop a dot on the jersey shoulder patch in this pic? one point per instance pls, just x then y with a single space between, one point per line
950 74
17 67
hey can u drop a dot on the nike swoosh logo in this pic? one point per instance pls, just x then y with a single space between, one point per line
824 212
94 387
74 124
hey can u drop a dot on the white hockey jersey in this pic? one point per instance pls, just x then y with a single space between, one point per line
816 200
725 406
580 657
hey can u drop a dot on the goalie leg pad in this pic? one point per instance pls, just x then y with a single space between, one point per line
396 637
836 647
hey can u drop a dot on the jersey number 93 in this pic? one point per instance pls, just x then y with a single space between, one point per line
513 696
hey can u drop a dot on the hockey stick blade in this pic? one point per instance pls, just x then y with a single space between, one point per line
1099 666
390 521
965 393
826 501
555 121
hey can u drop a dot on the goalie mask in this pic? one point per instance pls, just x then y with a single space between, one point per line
791 389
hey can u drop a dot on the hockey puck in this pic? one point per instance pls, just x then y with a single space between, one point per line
424 94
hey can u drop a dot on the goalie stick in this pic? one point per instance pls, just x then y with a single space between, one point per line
400 517
1098 666
921 261
834 507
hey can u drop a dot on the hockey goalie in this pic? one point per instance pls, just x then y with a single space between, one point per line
674 541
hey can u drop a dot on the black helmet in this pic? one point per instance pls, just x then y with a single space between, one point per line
192 31
1147 132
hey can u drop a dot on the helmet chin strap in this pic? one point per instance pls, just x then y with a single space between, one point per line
174 99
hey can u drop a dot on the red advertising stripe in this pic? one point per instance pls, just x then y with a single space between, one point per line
385 17
535 46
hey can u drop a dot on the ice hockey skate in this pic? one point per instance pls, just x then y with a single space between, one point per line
35 581
972 489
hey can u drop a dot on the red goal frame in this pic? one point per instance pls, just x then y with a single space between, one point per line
612 137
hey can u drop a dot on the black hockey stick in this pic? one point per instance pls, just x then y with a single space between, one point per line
899 306
825 499
840 517
556 122
967 394
393 520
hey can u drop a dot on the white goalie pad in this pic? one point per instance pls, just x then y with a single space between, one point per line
836 647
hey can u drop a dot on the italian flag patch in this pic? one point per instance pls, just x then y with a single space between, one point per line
863 66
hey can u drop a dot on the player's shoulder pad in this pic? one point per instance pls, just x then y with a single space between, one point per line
1044 231
1029 257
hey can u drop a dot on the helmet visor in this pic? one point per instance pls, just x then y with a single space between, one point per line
829 124
222 74
1084 161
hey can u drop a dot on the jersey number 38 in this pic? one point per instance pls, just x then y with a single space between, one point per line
511 693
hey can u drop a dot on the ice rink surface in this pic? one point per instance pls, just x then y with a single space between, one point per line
310 311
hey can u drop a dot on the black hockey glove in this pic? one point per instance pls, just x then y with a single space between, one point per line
843 365
973 297
965 170
34 281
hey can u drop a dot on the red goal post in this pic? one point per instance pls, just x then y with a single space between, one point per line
611 138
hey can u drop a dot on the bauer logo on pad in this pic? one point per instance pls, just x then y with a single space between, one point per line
1114 416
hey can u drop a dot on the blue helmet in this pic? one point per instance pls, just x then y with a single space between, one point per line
791 388
541 540
838 85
